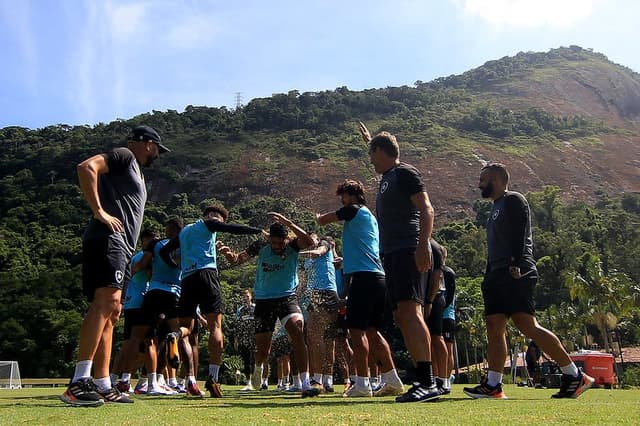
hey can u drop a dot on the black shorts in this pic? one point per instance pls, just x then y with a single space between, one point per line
105 263
323 301
132 318
201 288
434 321
366 301
159 305
503 294
267 311
404 281
449 330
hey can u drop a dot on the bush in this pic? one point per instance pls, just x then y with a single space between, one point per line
631 376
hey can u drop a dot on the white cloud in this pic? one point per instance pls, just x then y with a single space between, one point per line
528 13
127 20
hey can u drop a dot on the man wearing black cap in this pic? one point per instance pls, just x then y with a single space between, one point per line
114 187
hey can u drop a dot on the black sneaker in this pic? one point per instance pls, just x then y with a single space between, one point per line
573 387
328 389
114 395
419 393
264 386
213 387
82 393
483 390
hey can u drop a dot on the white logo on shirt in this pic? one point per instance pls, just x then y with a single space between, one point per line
495 214
119 276
384 187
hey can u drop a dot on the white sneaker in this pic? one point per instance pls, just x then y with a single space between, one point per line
157 391
247 388
169 390
388 389
356 391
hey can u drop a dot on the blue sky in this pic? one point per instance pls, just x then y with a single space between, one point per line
84 62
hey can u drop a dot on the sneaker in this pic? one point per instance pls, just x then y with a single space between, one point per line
141 388
82 393
328 389
355 392
194 390
483 390
114 395
441 388
573 387
247 388
124 387
316 385
264 386
168 389
213 387
388 389
156 390
310 392
294 389
419 393
173 354
179 388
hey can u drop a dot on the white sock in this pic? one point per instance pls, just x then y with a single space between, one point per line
173 382
304 377
446 385
113 378
362 382
570 369
180 381
494 378
391 377
328 380
83 370
191 379
153 380
213 371
126 377
296 381
103 383
160 379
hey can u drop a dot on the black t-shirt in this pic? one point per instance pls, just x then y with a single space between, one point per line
123 195
398 218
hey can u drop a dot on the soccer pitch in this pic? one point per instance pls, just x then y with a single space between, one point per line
524 406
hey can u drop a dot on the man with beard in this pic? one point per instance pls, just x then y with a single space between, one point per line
508 288
113 185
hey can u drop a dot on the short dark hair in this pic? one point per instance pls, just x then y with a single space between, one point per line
499 170
352 187
278 230
218 208
175 221
148 233
387 143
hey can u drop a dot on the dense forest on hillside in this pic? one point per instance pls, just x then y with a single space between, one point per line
587 253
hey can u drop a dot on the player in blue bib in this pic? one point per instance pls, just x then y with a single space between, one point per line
275 293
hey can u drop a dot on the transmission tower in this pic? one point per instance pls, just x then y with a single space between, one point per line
238 99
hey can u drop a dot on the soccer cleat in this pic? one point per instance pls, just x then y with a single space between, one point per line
419 393
173 354
124 387
194 390
82 393
156 390
483 390
573 387
141 388
388 390
213 387
168 389
114 395
310 392
179 388
356 392
247 388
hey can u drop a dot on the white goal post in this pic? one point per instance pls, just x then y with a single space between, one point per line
10 375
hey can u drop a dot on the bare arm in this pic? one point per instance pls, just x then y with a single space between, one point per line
326 218
316 252
304 239
88 172
423 252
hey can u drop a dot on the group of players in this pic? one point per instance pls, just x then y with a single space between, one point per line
389 258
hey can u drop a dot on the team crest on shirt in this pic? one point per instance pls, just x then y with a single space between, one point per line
495 214
384 187
119 276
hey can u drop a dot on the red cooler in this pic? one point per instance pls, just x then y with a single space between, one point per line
598 365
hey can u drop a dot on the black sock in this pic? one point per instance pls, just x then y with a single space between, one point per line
424 371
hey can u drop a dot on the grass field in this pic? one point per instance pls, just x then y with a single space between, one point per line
524 406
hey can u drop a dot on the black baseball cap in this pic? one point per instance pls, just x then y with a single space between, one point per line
146 133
